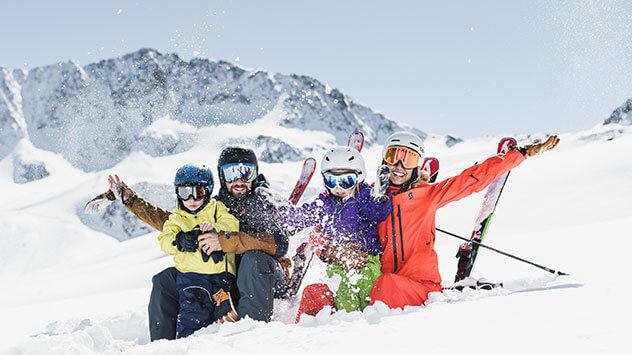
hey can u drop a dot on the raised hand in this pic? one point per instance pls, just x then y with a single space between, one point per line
536 148
119 188
378 192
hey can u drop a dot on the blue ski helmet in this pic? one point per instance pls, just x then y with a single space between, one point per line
193 174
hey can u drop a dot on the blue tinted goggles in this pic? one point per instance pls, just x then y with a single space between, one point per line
235 171
346 181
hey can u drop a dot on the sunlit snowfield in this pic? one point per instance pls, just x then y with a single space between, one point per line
70 289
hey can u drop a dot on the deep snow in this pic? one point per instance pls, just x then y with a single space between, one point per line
70 289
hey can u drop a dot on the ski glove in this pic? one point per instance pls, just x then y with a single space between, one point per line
216 255
187 241
378 192
536 147
346 255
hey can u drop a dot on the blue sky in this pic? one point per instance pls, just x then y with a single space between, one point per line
466 68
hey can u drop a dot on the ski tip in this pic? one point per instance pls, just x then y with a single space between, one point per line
431 166
356 140
505 143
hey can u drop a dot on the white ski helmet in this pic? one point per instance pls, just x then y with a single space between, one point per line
344 158
408 140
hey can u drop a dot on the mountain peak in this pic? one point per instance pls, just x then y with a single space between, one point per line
621 114
95 115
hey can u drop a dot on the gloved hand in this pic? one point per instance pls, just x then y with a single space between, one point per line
187 241
346 255
317 240
217 256
536 148
378 192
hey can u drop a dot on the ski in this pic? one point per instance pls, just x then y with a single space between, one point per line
309 166
300 262
510 287
479 285
467 252
431 166
356 140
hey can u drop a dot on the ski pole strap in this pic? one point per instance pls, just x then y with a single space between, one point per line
502 252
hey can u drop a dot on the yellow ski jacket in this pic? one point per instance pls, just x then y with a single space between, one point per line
215 213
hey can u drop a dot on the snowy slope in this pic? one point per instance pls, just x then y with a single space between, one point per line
69 288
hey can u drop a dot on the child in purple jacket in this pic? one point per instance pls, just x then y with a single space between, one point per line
346 216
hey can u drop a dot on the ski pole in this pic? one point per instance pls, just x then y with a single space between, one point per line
503 253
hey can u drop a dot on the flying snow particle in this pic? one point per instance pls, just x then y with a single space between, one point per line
119 11
236 59
196 53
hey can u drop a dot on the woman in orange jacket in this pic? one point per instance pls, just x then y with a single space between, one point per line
409 262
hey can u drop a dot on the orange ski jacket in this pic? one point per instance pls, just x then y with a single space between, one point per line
408 234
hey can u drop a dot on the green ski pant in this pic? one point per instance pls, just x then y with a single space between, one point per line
355 286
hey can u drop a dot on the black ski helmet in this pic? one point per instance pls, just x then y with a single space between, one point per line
235 154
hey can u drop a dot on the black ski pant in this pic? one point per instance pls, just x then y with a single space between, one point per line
260 278
163 305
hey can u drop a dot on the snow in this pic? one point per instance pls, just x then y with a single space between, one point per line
97 115
71 289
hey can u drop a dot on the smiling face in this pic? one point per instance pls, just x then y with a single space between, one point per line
238 188
399 174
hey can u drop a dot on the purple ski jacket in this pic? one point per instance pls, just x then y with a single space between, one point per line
352 220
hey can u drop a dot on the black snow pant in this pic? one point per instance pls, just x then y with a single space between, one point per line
260 278
163 305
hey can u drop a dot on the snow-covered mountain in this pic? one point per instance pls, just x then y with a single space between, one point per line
621 115
96 115
73 289
78 283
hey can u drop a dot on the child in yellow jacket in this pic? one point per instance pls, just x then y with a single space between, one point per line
204 282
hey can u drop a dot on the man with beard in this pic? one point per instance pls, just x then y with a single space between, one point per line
262 240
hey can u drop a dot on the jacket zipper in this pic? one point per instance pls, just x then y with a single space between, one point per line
394 240
401 234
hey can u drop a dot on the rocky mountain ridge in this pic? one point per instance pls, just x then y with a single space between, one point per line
96 115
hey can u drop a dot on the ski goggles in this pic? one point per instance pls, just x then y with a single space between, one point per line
186 191
346 181
236 171
408 157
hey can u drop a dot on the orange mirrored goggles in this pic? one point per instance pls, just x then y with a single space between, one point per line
408 157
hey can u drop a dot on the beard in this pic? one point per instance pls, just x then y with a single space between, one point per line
239 190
